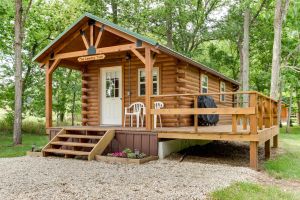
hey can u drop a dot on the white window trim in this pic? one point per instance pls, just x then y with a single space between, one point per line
158 86
222 95
206 87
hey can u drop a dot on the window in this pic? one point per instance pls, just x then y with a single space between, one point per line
204 83
112 84
142 81
222 89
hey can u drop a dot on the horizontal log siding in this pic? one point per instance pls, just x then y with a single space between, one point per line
94 89
167 80
175 78
188 81
214 86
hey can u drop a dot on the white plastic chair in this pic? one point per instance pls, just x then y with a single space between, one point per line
158 105
136 109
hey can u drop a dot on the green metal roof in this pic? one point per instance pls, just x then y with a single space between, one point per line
139 37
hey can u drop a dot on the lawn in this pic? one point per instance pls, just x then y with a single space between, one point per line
245 191
286 165
8 150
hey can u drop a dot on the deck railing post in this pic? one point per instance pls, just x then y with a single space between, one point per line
234 123
271 112
261 113
253 130
268 114
196 116
253 118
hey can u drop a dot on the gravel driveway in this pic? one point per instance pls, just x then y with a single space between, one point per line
58 178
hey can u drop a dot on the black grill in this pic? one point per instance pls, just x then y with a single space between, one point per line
207 120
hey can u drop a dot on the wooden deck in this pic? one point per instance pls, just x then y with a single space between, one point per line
147 141
218 132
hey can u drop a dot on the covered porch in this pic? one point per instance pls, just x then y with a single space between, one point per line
102 54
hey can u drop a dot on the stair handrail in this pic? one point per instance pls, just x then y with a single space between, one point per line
102 144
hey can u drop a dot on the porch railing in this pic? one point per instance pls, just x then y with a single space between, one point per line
252 110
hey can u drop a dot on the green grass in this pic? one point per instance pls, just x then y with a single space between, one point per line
244 191
286 165
8 150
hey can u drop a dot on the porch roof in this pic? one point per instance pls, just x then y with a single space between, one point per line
48 49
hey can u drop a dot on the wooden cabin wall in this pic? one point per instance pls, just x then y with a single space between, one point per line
90 109
92 71
176 77
214 87
189 81
167 84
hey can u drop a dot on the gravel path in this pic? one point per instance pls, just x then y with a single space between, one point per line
58 178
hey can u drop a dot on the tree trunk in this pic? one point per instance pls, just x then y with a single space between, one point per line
169 24
240 50
17 138
280 11
114 8
298 105
245 72
289 114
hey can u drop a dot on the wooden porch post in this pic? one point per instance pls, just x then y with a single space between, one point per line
254 155
48 97
267 149
48 90
149 85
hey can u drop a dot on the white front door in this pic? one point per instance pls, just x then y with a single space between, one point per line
111 96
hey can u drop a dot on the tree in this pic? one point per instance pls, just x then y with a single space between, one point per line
17 139
245 53
281 8
20 20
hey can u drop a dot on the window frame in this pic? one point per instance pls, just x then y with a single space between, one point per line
157 81
222 96
204 87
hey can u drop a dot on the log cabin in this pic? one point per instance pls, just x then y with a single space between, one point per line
119 68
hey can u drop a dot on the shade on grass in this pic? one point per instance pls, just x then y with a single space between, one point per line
8 150
245 191
287 165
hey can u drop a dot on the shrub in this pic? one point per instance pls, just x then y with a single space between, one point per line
33 126
29 125
6 123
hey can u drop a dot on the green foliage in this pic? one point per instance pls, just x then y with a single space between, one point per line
8 150
287 165
249 191
30 125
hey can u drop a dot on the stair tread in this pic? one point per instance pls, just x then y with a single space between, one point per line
70 152
80 136
73 144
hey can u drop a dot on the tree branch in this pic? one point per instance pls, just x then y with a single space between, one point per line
258 12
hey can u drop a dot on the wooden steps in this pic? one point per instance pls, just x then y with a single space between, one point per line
79 136
73 144
88 143
67 152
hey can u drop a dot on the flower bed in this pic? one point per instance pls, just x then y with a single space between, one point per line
127 156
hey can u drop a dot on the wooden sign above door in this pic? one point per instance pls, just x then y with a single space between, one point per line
90 58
